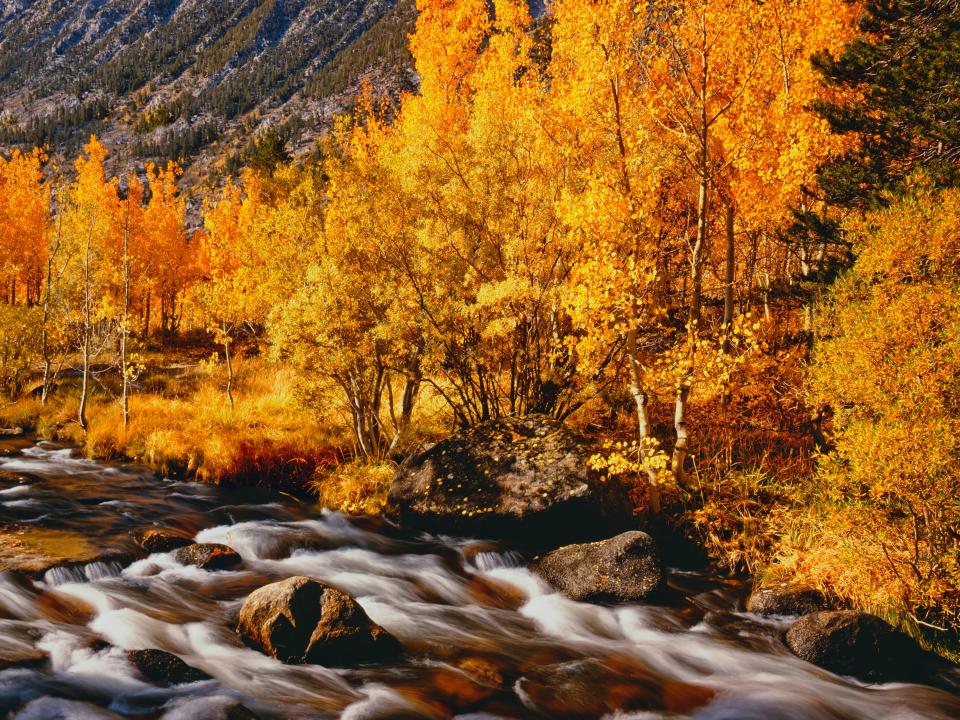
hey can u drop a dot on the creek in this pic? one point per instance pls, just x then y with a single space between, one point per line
484 637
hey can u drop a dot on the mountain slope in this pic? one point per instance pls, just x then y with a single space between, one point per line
170 78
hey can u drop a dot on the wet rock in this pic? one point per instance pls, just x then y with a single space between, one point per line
491 592
482 670
209 556
622 569
60 607
37 551
594 689
787 599
300 620
21 658
162 540
239 712
163 668
12 478
459 691
848 642
524 480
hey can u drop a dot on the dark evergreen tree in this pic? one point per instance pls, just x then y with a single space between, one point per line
905 72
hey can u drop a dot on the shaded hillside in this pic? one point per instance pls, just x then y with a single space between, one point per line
164 79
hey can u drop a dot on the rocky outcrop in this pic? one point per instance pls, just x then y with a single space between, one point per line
300 620
787 599
524 480
622 569
848 642
163 668
209 556
161 540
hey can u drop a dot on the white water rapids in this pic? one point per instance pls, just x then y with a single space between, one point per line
452 602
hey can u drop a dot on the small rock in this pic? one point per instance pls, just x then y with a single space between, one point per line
161 540
209 556
300 620
482 670
13 478
491 592
21 658
11 432
787 599
163 668
848 642
61 607
622 569
591 689
239 712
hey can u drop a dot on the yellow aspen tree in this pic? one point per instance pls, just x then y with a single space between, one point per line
91 225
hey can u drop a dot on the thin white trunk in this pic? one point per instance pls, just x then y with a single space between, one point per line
642 400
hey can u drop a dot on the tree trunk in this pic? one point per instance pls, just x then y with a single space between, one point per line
696 255
45 318
728 280
682 447
229 361
146 315
87 331
126 312
641 399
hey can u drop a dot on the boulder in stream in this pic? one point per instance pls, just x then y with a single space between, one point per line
300 620
209 556
849 642
787 599
523 479
163 668
162 540
622 569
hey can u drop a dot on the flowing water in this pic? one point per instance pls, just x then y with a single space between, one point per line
484 637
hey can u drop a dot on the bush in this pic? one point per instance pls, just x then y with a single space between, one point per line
882 517
19 340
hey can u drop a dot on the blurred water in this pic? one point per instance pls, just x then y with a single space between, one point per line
484 637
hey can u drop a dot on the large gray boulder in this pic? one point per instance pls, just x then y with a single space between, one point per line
299 620
622 569
525 480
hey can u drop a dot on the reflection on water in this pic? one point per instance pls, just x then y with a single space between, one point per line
485 638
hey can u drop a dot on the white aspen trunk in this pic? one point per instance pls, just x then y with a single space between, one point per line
641 399
87 331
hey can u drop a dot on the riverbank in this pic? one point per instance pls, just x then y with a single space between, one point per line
183 426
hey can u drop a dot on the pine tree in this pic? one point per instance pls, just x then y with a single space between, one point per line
902 93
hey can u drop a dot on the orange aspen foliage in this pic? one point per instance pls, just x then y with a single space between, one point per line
24 222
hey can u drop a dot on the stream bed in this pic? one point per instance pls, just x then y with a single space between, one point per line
484 637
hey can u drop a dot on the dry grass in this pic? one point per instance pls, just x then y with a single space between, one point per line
185 427
355 487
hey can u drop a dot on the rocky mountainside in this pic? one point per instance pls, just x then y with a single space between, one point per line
192 79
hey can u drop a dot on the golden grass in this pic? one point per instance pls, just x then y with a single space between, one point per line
186 427
355 487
